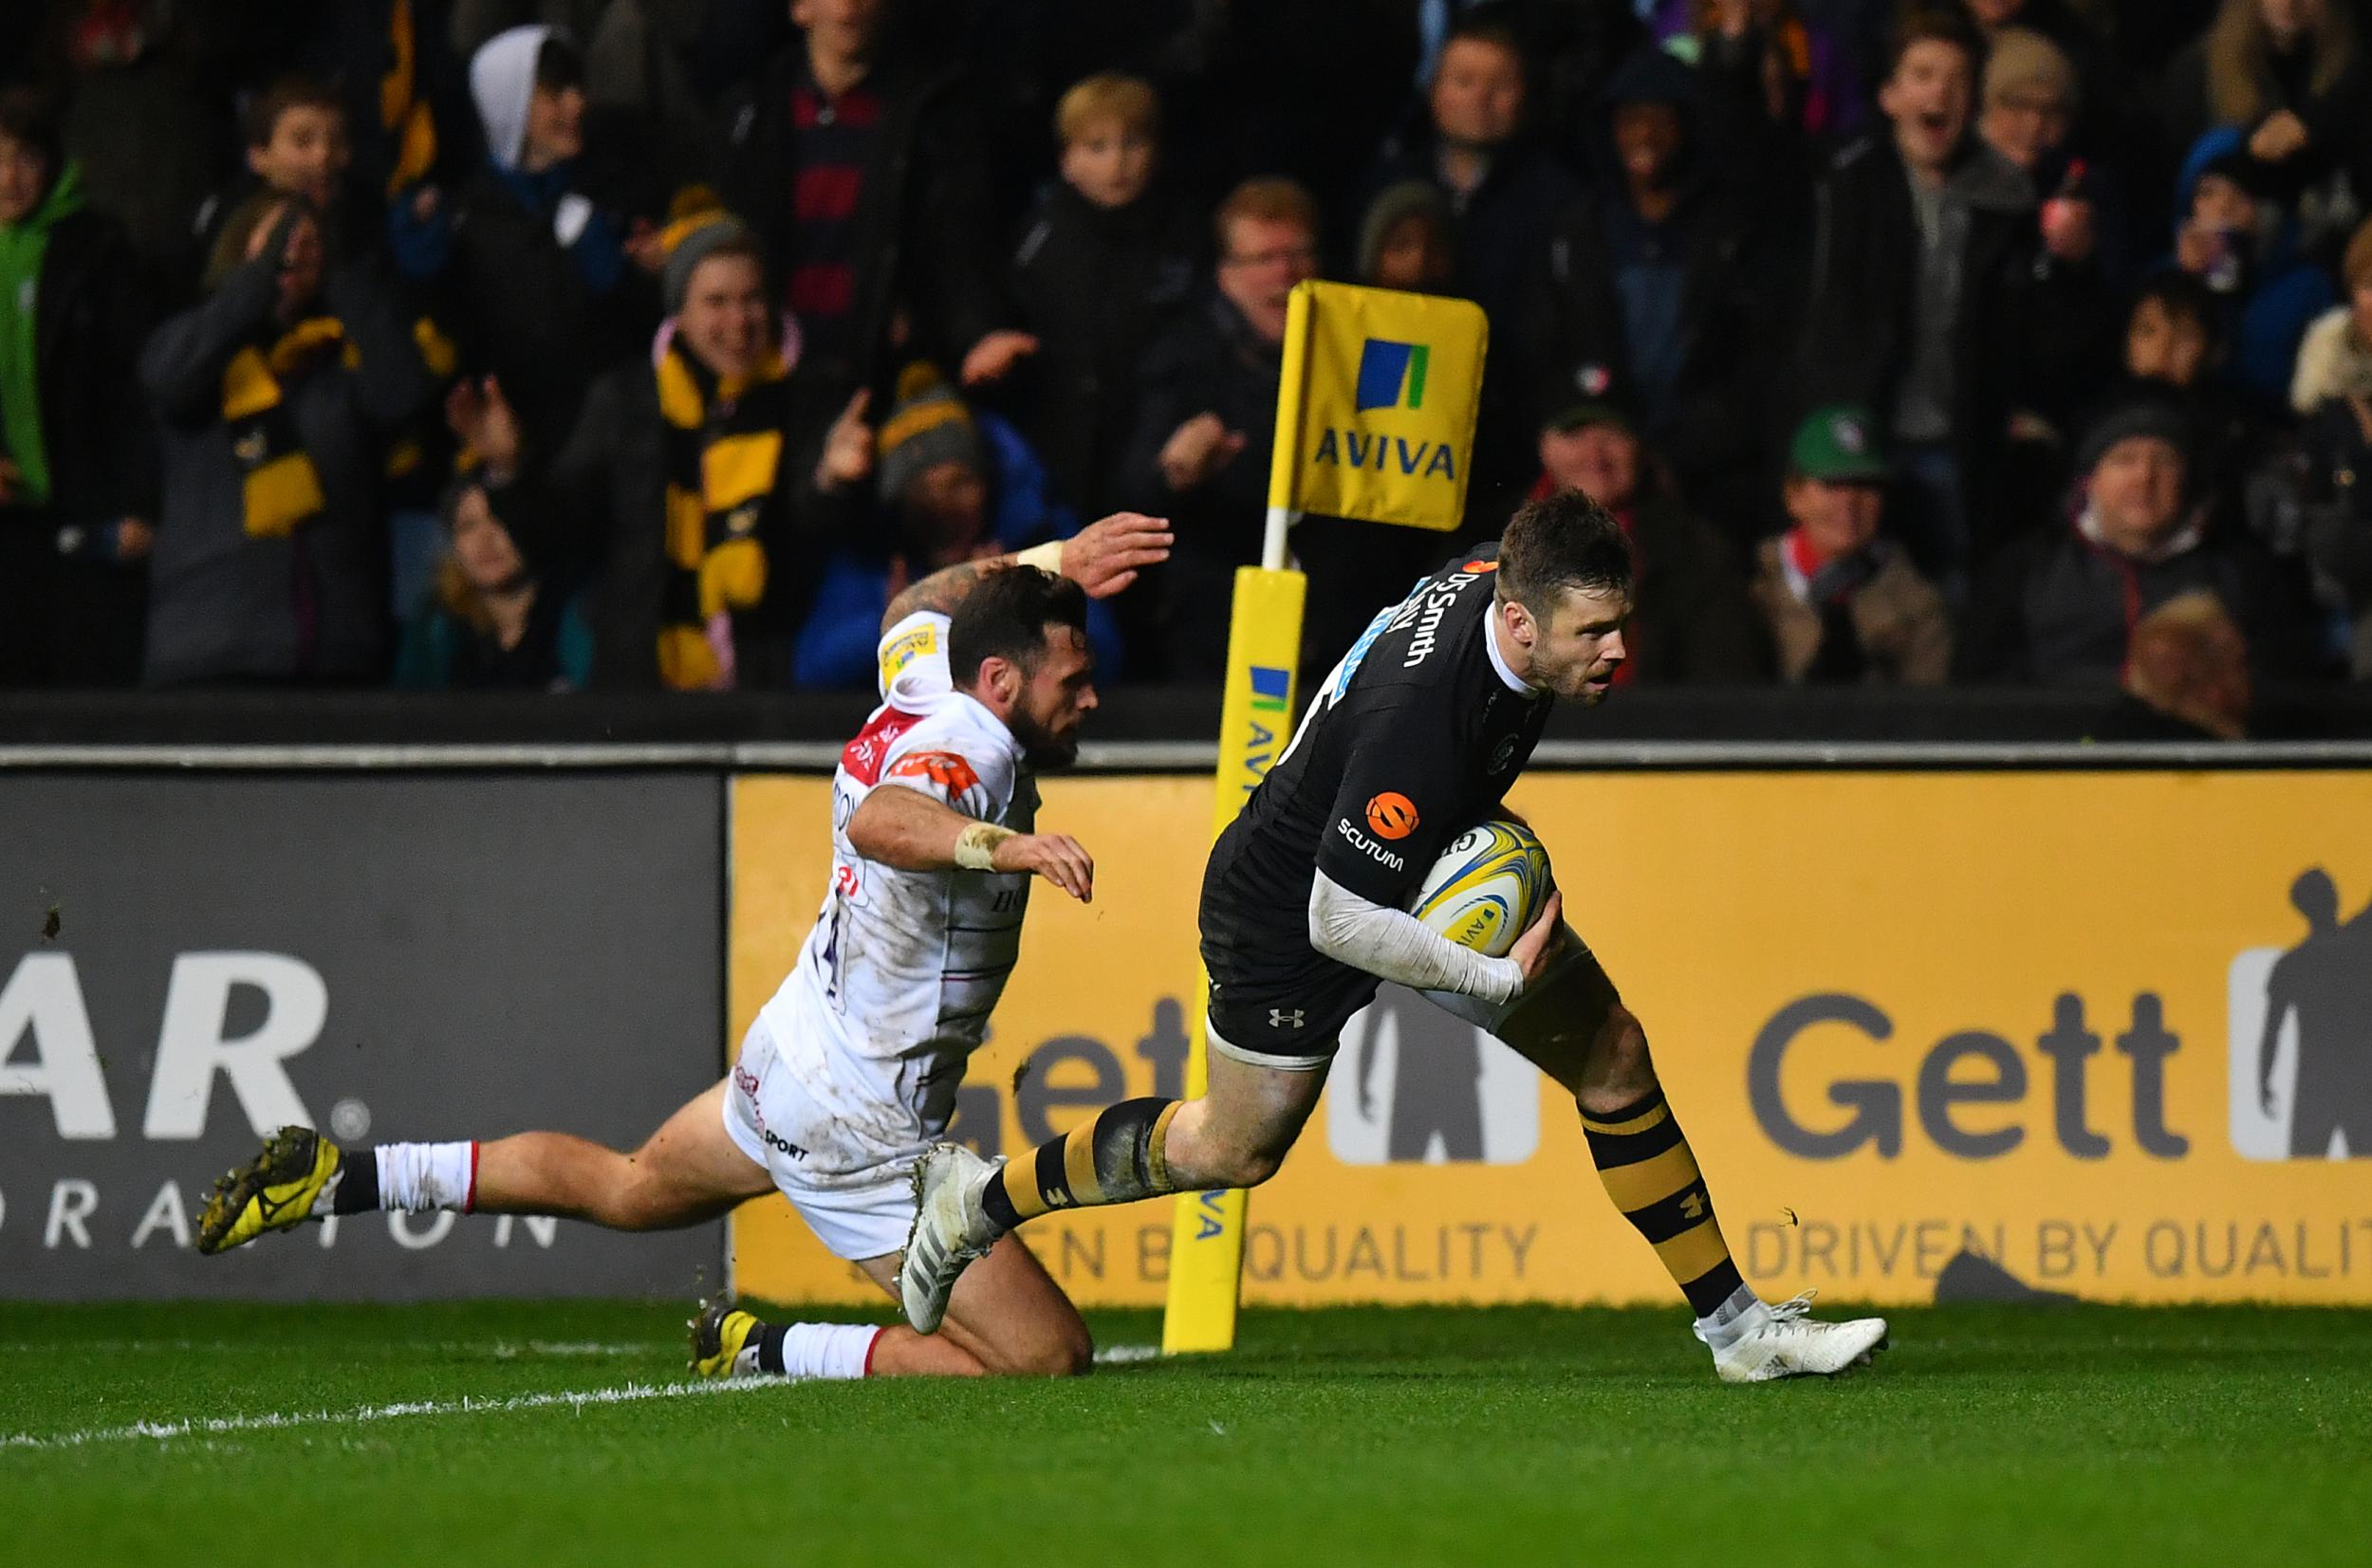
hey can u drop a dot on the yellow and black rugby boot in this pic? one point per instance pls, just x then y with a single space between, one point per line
272 1191
722 1336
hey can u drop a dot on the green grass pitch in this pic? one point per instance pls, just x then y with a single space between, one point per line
1993 1436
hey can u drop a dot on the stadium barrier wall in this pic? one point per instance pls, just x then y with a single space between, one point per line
1909 1002
191 960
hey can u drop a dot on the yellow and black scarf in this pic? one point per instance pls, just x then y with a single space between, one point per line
282 486
723 445
402 112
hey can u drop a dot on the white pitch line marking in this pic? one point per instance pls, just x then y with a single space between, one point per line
275 1421
1122 1355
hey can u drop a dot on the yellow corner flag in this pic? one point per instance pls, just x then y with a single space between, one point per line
1376 410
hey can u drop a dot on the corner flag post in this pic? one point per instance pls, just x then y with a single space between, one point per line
1375 408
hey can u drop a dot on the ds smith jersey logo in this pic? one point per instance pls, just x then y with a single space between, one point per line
1391 377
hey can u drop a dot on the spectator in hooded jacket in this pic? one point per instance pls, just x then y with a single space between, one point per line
1107 263
76 465
542 279
1845 605
1408 240
2060 606
1658 282
1690 620
1936 300
2291 78
2236 237
277 395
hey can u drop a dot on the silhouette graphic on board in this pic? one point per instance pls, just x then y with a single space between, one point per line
2325 982
1437 1087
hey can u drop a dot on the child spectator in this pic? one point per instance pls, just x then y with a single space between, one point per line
296 144
956 485
276 392
76 479
1107 263
2186 677
1408 239
2243 243
539 275
1845 605
488 623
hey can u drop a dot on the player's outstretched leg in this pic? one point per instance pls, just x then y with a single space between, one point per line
1574 1027
1235 1136
687 1171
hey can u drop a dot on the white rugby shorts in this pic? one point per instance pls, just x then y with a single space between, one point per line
860 1212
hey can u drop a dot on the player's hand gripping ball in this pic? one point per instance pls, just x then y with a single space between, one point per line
1487 888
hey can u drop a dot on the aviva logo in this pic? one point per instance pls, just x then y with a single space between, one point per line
1391 375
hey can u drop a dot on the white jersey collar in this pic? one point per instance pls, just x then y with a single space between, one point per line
1498 660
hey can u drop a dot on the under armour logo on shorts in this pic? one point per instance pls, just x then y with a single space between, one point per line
1280 1018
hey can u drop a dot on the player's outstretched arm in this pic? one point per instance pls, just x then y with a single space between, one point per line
910 831
1103 558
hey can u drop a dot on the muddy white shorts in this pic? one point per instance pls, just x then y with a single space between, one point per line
858 1199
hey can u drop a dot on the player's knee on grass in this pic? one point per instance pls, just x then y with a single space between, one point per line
1057 1348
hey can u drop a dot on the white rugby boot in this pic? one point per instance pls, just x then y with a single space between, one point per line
1783 1341
950 1230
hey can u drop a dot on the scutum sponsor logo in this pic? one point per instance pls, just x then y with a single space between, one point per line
1367 846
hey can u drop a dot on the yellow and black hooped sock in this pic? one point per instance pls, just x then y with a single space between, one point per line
280 486
1119 1157
724 447
1652 1176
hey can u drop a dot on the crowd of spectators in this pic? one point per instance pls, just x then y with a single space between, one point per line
554 343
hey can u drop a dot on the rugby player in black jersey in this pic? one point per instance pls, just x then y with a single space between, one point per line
1414 737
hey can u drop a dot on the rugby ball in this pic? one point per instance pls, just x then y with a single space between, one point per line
1487 887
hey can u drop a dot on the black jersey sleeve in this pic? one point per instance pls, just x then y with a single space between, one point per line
1400 785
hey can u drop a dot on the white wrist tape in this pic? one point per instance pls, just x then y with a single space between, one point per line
1047 556
975 846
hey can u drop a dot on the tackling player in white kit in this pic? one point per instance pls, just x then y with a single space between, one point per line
849 1073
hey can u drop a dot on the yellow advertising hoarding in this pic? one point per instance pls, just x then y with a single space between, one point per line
1376 405
1900 1016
